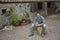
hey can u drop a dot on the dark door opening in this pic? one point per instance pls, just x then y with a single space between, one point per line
51 8
3 11
49 4
39 5
36 6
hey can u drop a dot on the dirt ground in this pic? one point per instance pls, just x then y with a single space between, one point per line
23 32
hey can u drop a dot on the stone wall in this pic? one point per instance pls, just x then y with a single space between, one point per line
18 8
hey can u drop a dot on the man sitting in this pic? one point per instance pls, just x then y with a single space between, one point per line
39 20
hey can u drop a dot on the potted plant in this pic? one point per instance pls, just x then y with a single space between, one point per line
24 21
15 20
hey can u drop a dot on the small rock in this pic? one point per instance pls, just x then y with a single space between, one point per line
8 28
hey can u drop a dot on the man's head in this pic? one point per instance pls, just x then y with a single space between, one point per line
38 14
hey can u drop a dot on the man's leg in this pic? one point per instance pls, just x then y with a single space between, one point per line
43 28
33 28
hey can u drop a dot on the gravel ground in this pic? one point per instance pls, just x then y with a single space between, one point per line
23 32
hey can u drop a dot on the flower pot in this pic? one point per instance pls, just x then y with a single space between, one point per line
23 23
17 24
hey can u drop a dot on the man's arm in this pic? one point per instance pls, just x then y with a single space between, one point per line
43 20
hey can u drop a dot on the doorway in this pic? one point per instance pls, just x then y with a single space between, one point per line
39 6
36 6
51 8
3 11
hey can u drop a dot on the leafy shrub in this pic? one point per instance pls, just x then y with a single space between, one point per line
14 18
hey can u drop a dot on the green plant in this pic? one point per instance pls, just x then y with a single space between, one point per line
14 19
8 10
